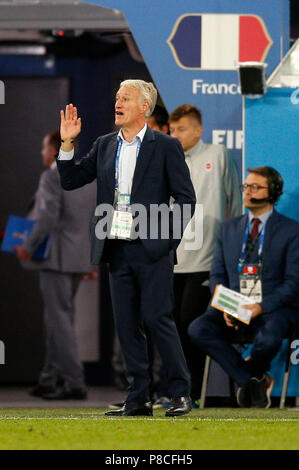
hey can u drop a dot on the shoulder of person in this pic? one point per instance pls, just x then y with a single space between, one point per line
233 223
218 151
50 177
160 136
217 148
49 173
287 222
53 172
105 137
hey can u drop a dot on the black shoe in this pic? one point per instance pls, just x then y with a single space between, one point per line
132 410
244 397
179 406
260 391
70 394
40 390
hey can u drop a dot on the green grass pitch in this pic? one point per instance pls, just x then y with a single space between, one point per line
211 428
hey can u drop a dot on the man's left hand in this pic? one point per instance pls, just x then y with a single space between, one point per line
22 254
256 309
91 276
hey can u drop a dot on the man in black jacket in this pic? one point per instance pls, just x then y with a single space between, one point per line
137 166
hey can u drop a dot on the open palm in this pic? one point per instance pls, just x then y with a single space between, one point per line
70 123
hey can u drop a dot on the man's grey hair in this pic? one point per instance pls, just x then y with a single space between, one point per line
148 92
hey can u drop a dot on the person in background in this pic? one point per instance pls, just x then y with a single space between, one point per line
256 254
66 218
159 120
215 179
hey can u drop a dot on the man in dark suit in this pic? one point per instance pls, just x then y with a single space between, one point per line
258 255
136 166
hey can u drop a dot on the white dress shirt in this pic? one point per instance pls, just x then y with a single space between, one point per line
127 160
263 220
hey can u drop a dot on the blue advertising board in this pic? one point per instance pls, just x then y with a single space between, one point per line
272 138
191 49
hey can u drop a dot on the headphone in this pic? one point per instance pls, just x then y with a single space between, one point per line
275 182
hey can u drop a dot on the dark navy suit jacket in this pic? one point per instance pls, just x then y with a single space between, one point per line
161 172
280 274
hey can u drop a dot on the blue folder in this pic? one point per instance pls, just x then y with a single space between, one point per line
17 230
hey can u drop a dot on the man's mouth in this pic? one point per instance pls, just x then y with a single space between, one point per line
119 113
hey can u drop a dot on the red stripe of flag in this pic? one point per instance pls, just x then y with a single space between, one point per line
253 41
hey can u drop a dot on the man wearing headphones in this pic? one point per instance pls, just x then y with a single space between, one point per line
256 254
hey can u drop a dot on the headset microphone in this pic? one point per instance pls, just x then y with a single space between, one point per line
260 201
275 183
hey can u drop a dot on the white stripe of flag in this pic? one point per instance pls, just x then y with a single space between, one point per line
219 41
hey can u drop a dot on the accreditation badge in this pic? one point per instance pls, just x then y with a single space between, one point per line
251 281
122 220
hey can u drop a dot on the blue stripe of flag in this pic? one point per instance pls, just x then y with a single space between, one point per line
187 41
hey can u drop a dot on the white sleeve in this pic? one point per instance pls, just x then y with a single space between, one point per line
65 155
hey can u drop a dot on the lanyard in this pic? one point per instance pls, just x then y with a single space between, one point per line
245 239
119 145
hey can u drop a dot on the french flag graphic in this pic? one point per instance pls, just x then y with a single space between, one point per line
218 41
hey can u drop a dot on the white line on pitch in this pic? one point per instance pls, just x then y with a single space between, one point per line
103 418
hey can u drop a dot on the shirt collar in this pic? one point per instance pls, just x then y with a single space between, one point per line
263 217
139 136
195 150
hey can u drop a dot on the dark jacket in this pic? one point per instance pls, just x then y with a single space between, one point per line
160 173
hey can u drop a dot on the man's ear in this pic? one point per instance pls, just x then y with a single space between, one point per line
200 130
145 105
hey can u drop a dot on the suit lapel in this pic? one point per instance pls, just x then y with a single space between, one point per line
241 232
143 160
109 165
270 228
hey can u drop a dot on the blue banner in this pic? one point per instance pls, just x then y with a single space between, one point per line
191 48
272 138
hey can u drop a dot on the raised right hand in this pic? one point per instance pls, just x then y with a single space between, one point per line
70 126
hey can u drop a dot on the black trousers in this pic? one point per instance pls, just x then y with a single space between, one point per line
142 295
191 300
